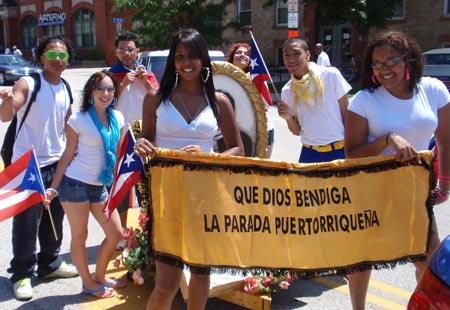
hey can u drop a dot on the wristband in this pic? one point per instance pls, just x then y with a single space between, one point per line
51 189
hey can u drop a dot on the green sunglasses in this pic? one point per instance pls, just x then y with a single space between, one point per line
51 55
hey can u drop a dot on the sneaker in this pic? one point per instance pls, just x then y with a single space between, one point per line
23 290
64 271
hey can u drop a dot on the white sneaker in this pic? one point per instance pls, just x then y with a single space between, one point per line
23 290
64 271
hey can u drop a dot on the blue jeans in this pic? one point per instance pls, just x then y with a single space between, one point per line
308 155
34 225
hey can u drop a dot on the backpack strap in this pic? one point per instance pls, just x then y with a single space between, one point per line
68 89
37 85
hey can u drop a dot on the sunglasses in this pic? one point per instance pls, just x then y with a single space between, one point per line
390 62
126 49
102 88
51 55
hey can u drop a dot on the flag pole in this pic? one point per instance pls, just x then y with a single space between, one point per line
48 209
270 76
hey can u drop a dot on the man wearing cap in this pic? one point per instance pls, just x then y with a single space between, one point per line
16 51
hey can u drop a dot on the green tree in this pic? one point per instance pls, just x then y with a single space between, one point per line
363 14
158 20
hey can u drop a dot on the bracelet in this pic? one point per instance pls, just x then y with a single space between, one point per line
443 191
387 138
51 189
444 178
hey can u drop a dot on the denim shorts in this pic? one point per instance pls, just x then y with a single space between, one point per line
71 190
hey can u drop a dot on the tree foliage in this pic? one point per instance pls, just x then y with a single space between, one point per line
156 21
364 14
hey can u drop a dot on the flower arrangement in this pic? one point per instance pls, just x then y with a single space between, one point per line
136 256
267 282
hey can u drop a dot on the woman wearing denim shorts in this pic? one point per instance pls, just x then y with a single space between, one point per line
82 175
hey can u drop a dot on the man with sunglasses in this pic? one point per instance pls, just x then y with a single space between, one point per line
44 129
134 82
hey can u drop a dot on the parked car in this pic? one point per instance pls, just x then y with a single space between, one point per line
437 64
155 61
433 289
13 67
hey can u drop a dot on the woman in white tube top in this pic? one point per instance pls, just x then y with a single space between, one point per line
185 113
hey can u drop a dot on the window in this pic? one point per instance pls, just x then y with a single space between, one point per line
29 32
447 7
281 13
84 28
245 13
399 10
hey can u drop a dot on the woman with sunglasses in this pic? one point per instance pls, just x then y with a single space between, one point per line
397 112
82 175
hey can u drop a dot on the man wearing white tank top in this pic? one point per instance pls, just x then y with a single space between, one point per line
44 129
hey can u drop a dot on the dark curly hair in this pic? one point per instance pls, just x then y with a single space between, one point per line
127 36
398 41
40 48
230 55
91 84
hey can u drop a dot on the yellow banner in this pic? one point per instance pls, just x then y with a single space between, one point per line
238 212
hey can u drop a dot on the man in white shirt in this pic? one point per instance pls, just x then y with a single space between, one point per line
322 57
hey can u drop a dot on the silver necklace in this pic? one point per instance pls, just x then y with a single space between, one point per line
54 98
186 109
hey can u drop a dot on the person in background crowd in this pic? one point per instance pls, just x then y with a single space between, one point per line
322 56
8 51
16 51
83 172
135 81
239 55
44 128
313 103
397 112
186 106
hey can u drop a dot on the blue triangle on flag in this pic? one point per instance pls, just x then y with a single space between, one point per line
32 179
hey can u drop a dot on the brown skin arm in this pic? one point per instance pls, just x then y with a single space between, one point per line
13 100
229 127
443 144
343 105
284 111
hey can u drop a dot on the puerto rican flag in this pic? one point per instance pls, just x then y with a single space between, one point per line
259 72
127 173
21 186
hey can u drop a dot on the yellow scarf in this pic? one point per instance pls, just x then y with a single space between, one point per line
308 89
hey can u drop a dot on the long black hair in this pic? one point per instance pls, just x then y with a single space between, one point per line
193 41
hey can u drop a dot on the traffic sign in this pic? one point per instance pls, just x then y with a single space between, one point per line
118 20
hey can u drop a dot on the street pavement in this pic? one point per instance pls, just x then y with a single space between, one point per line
389 289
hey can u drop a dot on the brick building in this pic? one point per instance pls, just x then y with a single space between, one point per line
92 27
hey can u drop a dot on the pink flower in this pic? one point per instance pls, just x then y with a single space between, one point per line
143 219
251 285
289 278
267 281
116 263
284 285
137 278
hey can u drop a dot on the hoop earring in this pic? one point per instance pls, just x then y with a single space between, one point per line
407 74
204 80
374 79
113 102
176 79
91 100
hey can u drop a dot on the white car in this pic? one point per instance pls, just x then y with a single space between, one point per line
155 61
437 64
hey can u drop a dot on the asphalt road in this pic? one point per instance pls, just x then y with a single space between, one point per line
389 289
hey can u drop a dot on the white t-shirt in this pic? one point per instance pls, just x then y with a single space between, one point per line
323 59
130 101
321 125
414 119
90 157
44 126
